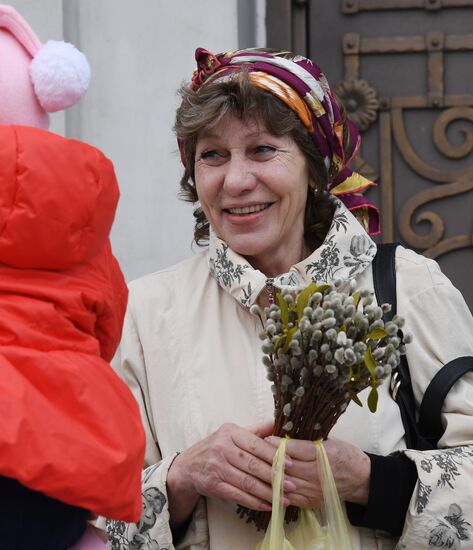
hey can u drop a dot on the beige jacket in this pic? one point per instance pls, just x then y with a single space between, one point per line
191 355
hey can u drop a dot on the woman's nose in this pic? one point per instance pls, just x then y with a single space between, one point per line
239 176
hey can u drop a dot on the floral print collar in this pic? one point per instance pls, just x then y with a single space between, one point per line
345 253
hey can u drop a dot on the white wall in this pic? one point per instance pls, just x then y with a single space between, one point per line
139 51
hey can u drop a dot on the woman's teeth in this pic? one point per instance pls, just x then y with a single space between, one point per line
248 209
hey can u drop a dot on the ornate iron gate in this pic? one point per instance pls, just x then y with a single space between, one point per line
404 69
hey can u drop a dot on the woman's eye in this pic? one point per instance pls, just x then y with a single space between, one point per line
264 149
208 155
211 157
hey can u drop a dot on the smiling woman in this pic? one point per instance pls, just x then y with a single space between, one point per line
263 117
266 148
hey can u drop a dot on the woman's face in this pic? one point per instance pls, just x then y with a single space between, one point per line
252 187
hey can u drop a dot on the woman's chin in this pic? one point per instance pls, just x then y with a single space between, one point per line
248 250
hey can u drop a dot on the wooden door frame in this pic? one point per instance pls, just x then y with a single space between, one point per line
287 25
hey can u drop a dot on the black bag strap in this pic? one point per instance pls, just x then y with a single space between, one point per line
430 423
425 433
384 277
384 280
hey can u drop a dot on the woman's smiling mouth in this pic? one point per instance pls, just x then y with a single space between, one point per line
248 209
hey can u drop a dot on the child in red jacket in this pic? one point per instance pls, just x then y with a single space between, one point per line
71 440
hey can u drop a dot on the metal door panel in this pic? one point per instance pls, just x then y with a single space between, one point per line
405 69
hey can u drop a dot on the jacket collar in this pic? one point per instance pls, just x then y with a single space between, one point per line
345 253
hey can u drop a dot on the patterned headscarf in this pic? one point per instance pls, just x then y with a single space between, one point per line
301 84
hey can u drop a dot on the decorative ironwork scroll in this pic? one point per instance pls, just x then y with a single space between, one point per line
455 112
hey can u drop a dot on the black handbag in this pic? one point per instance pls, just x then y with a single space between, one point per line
423 429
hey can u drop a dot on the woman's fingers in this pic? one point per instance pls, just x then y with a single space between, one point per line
297 449
232 457
250 464
253 444
248 484
350 468
262 429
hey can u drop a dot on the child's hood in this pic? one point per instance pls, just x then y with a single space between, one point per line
57 199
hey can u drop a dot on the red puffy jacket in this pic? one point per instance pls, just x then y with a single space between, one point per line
69 427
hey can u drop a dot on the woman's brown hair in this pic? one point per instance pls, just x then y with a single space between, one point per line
238 97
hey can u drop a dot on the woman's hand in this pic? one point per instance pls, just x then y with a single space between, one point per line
233 464
351 469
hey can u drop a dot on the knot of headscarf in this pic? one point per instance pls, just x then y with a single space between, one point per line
300 83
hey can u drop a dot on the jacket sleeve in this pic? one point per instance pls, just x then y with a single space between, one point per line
441 507
153 529
392 481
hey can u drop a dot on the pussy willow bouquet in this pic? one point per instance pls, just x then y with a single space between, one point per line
322 346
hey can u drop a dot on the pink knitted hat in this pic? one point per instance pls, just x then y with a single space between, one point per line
36 79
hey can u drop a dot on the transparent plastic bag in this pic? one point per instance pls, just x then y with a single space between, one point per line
324 529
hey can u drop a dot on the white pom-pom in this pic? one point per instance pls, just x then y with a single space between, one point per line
60 75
